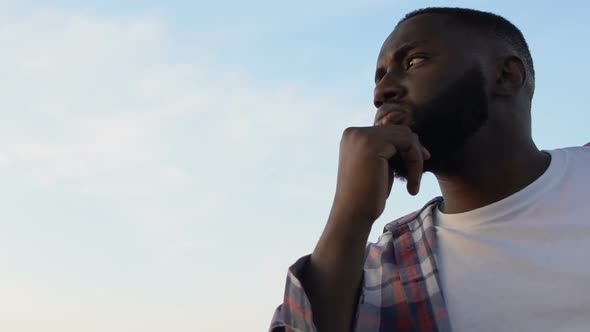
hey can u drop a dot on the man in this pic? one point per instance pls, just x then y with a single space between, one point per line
505 248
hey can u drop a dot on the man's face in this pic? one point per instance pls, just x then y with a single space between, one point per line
436 82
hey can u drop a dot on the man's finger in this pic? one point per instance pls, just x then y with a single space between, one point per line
411 151
390 180
414 160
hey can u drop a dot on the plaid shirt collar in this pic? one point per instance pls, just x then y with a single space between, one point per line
410 245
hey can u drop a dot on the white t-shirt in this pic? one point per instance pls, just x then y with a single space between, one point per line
523 263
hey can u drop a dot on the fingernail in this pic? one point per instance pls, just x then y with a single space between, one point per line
413 189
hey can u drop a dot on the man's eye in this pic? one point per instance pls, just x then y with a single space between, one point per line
415 60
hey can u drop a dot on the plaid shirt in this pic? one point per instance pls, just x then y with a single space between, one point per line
401 290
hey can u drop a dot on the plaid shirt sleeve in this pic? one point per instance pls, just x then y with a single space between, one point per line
294 315
400 288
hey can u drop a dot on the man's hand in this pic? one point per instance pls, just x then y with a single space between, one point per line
333 276
365 178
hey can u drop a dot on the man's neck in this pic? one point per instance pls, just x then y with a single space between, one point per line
491 176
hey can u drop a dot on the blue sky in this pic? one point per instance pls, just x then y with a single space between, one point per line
163 163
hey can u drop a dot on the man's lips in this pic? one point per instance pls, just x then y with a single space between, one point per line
390 114
392 118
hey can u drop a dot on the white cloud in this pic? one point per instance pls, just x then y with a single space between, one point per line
91 95
193 151
71 94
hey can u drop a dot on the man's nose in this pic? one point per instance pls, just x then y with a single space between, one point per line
388 91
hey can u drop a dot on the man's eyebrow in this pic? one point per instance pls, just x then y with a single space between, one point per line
403 50
400 53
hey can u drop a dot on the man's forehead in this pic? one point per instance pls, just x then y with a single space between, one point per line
424 28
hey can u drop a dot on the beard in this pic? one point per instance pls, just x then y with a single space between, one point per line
447 121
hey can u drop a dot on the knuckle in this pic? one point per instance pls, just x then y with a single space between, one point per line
354 133
350 132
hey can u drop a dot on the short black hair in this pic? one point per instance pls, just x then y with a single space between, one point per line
489 23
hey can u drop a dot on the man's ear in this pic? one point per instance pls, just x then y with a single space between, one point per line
510 76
